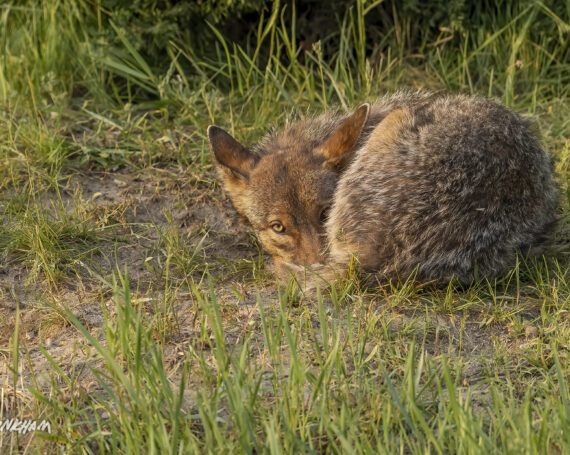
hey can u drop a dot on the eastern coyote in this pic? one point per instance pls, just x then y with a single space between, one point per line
437 185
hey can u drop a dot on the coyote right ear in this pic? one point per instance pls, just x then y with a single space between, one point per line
336 148
389 129
232 158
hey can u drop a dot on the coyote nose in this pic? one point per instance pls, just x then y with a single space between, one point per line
309 249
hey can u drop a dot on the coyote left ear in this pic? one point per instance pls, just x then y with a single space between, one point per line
232 158
343 140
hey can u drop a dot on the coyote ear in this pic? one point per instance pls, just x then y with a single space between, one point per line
345 137
389 129
232 158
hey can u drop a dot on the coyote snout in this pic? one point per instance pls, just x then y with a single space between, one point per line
443 186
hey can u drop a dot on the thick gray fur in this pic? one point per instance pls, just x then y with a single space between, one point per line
437 185
463 187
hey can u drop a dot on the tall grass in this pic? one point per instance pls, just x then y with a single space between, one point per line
291 384
47 53
506 57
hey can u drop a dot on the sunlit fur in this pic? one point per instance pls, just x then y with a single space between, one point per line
445 186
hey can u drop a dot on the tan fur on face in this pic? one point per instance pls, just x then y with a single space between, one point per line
271 197
290 187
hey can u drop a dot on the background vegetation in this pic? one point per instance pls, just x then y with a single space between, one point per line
138 317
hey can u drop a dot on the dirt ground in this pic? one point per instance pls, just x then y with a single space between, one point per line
135 210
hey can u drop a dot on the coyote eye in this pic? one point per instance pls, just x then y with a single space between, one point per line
278 227
324 215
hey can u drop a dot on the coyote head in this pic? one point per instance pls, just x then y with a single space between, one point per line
284 186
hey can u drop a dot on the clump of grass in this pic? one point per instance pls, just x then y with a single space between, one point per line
41 234
175 252
50 247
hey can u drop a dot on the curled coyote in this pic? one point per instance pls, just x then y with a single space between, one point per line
442 186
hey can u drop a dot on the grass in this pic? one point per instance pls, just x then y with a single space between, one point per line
137 316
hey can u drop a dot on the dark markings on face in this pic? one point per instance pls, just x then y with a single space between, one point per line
294 190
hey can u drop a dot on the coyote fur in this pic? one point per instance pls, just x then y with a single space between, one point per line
437 185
